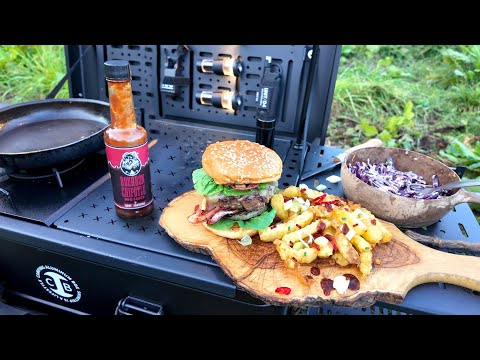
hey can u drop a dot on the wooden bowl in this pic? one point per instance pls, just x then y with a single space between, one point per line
403 211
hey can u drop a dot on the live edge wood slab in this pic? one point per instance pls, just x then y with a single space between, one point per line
400 265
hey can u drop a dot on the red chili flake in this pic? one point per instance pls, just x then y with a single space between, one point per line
291 243
334 202
298 226
318 199
346 209
316 246
283 290
355 225
373 221
315 270
273 226
344 229
321 226
329 207
285 199
308 278
294 260
303 189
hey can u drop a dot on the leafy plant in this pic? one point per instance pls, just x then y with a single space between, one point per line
391 128
460 154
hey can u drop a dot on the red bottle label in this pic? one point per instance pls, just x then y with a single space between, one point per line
130 174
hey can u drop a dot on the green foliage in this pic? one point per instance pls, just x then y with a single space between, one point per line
30 72
460 154
463 65
396 130
376 85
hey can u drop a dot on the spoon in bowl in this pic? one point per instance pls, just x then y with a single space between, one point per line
453 185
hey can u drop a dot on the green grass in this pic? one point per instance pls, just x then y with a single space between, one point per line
423 98
29 73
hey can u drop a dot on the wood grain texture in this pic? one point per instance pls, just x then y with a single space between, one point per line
402 264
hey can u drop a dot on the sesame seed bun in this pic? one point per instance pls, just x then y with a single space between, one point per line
241 162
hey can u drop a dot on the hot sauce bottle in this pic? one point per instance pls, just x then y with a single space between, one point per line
126 146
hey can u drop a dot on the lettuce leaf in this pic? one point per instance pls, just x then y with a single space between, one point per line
205 185
259 222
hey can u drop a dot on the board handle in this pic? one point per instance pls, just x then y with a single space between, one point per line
461 270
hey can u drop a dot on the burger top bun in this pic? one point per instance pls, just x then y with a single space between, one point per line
241 162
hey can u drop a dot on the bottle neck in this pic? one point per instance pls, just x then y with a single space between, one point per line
122 110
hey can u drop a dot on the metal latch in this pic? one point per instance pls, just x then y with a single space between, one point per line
171 81
134 306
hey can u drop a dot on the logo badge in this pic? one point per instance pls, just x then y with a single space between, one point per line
58 284
130 163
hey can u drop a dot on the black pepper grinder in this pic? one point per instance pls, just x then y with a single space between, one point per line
267 102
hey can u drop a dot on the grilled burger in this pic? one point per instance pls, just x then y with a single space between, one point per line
237 179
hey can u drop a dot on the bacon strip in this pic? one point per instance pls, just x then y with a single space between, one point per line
217 216
242 187
203 215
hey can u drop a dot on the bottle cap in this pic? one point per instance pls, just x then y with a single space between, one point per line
117 70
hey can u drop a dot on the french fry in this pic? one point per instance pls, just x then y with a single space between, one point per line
303 218
326 248
292 191
352 221
345 248
365 263
279 205
303 232
279 231
340 259
386 235
360 244
373 234
292 256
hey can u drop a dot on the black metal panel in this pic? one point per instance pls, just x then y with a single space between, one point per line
197 275
177 153
43 200
148 63
289 57
144 65
101 288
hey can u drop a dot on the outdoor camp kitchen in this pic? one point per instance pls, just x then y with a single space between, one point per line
196 179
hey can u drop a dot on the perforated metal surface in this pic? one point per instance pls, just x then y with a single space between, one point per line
177 153
290 58
144 64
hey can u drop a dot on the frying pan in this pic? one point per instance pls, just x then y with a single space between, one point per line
48 132
403 211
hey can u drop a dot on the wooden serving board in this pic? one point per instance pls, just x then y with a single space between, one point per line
258 269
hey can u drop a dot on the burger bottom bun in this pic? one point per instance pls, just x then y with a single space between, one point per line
235 232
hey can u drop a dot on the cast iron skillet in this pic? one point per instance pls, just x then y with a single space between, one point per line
48 132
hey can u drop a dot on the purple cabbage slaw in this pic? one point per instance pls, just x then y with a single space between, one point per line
387 178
